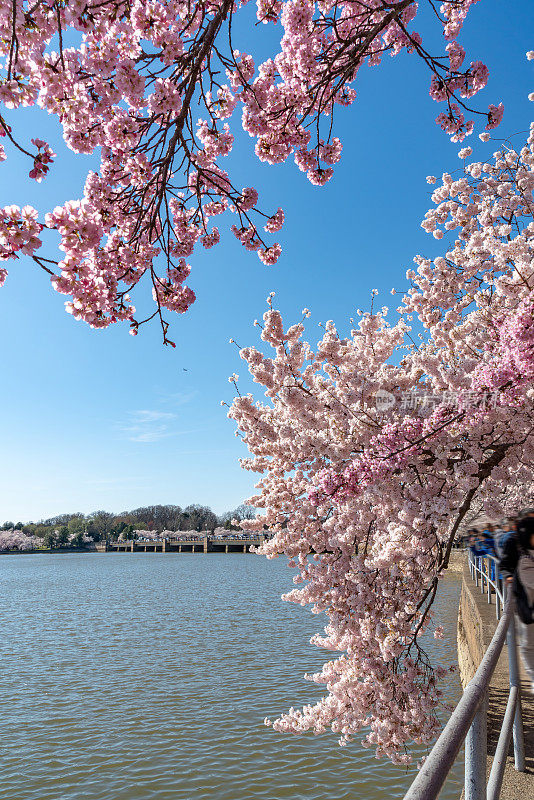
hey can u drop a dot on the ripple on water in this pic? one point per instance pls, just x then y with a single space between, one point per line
147 677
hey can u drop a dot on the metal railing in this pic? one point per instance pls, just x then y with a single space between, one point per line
468 721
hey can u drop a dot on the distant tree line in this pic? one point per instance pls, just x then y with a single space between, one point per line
73 530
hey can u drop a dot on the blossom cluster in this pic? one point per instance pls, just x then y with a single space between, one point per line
365 504
85 538
152 535
126 87
17 540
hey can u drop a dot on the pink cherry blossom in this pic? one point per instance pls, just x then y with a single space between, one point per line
17 540
159 90
365 497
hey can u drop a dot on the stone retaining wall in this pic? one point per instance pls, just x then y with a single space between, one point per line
470 634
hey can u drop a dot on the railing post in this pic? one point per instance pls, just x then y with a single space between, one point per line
513 667
476 748
498 589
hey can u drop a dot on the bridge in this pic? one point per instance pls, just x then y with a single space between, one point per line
200 544
489 773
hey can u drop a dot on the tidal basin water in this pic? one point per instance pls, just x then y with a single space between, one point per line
148 676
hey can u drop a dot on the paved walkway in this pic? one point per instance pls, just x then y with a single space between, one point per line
516 785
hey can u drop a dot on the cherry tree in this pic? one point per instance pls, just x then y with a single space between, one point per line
80 538
17 540
130 79
371 448
152 535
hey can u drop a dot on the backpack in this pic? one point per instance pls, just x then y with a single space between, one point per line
500 541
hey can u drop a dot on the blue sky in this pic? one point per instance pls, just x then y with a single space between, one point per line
101 419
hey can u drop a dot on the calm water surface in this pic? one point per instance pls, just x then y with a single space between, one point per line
148 676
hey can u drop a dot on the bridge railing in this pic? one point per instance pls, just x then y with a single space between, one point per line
255 540
468 721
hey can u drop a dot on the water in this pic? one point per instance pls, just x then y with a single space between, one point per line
148 676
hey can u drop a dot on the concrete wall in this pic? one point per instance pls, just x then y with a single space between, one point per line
471 634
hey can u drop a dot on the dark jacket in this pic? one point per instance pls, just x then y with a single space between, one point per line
510 556
485 548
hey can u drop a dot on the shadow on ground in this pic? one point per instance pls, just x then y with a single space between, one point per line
498 698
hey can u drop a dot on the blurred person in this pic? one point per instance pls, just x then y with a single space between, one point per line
472 540
517 567
488 534
504 531
481 543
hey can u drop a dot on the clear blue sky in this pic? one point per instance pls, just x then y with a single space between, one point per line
101 419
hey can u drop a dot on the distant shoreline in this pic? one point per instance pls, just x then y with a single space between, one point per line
456 561
154 546
47 551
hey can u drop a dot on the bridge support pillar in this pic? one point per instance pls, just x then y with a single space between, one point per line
132 546
226 548
164 546
205 544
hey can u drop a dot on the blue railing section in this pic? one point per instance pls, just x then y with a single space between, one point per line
468 721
